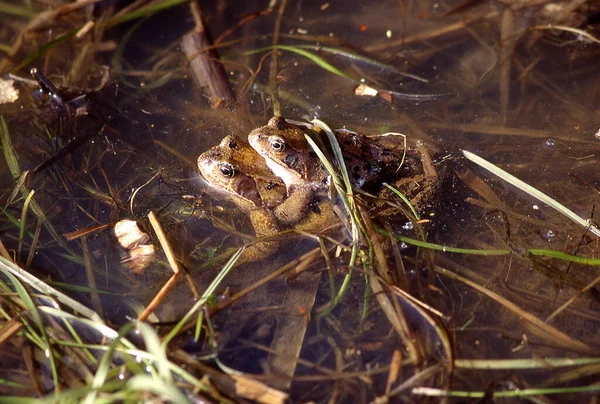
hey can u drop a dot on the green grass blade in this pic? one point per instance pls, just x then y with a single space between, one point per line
316 59
101 373
154 347
10 268
203 299
167 391
344 190
505 251
542 197
337 152
10 9
17 400
144 12
14 220
9 151
45 48
24 223
365 59
534 363
31 306
519 393
404 199
328 165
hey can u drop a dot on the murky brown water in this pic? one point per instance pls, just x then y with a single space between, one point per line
486 79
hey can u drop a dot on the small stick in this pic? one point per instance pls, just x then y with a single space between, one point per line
158 298
433 33
206 68
395 366
164 243
311 255
162 238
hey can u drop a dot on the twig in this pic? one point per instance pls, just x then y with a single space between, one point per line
206 68
162 238
240 23
433 33
309 256
158 298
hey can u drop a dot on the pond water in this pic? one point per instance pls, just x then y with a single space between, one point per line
451 76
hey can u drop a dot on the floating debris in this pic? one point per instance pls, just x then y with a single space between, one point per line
8 92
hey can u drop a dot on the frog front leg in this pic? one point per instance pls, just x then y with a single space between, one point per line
296 206
265 224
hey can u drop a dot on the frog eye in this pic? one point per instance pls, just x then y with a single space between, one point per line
227 170
277 144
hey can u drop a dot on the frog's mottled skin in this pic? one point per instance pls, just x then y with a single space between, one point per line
288 155
226 167
286 151
234 168
291 158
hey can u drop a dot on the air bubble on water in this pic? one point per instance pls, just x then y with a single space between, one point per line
536 207
549 235
550 142
138 358
316 111
408 226
403 246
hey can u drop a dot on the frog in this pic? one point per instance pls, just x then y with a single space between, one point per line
368 162
287 153
237 170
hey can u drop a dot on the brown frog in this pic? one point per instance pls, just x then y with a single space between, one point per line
288 154
227 168
234 168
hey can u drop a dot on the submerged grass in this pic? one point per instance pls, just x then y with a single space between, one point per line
9 9
316 59
504 251
154 373
344 190
587 224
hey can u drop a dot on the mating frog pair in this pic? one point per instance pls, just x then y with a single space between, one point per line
281 183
